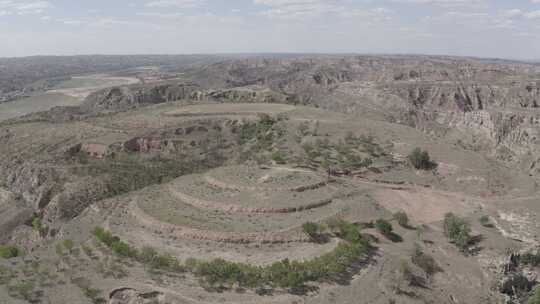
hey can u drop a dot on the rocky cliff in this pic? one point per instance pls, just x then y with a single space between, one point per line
129 97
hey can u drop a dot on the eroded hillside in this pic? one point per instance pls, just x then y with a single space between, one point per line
279 180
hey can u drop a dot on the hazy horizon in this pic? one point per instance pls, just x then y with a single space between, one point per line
470 28
240 54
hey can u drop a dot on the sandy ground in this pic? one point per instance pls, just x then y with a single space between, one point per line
82 86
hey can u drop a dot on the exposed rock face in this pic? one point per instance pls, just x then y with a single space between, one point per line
13 213
466 97
143 144
132 296
124 98
74 198
251 94
95 150
35 184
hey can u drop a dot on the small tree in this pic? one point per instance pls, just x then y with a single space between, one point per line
458 231
421 160
384 227
8 252
484 221
313 230
279 158
345 230
402 219
37 225
68 244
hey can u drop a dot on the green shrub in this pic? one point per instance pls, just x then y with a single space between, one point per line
345 230
147 255
484 221
167 262
530 259
284 274
384 227
68 244
421 160
516 285
123 249
402 219
114 242
105 237
458 231
94 295
535 297
279 158
8 252
314 231
38 226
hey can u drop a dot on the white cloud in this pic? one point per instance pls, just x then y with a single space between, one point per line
375 14
532 15
297 9
305 9
174 3
10 7
447 3
513 13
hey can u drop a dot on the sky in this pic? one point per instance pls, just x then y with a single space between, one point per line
482 28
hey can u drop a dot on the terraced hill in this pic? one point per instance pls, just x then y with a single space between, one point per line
136 197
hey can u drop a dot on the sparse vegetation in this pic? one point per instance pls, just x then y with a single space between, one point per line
25 290
279 158
314 231
408 275
458 231
530 259
6 274
8 252
535 297
284 274
109 268
262 134
402 218
345 230
349 154
421 160
517 286
38 226
68 245
94 295
484 221
425 261
125 173
386 229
